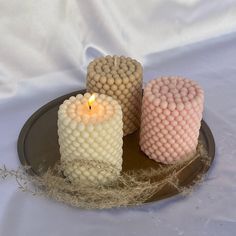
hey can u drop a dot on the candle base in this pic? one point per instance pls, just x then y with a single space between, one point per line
90 172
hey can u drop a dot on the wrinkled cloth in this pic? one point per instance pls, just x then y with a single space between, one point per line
44 53
39 37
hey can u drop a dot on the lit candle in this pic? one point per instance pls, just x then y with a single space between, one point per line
121 78
90 134
171 118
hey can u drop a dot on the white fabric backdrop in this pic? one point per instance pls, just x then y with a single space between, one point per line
39 37
44 50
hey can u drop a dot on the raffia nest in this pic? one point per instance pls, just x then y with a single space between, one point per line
131 188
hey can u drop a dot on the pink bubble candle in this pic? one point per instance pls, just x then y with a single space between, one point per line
171 118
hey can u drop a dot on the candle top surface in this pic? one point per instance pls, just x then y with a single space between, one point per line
173 90
90 110
114 67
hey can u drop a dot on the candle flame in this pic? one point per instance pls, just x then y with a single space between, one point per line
91 101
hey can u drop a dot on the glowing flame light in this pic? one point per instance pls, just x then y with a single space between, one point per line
91 101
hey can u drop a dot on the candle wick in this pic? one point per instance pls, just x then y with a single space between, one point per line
90 107
115 61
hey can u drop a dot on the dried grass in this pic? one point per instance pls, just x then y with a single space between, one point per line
133 188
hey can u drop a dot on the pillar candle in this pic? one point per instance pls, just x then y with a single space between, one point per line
90 132
121 78
171 118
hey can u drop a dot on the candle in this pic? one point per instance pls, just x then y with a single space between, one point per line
171 118
90 135
121 78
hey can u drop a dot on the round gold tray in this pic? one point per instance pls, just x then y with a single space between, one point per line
38 148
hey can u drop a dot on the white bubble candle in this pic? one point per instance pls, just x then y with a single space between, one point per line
90 135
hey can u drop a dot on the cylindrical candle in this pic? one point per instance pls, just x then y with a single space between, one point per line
121 78
90 134
171 118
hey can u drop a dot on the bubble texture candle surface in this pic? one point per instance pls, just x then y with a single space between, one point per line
171 118
121 78
93 135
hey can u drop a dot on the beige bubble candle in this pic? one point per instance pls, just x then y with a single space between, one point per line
91 138
171 118
121 78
